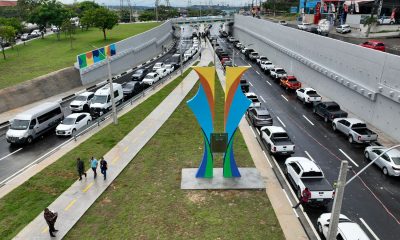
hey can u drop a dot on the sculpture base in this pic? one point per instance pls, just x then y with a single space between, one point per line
251 179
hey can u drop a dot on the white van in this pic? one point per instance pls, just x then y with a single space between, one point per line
27 126
101 102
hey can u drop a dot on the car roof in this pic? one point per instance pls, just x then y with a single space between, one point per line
307 164
74 115
278 68
330 103
274 129
151 74
85 94
352 230
308 89
374 41
262 111
353 120
291 77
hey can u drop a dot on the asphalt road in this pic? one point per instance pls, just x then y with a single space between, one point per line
372 197
15 158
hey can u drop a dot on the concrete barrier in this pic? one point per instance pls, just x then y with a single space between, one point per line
361 80
131 52
39 88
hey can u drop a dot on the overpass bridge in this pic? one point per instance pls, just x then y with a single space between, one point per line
205 19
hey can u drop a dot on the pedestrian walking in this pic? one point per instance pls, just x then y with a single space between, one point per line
51 218
305 197
200 54
93 165
80 167
103 167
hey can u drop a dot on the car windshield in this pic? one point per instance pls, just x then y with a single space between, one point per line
129 85
69 121
280 71
80 98
311 92
168 66
19 124
99 99
281 135
293 80
148 76
138 72
264 116
396 160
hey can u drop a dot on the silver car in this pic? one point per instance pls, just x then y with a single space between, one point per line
388 162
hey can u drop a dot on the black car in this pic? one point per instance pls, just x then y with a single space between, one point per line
248 51
139 74
259 117
329 110
244 85
175 60
132 88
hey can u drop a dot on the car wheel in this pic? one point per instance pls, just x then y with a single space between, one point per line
320 228
334 127
385 171
88 122
29 140
304 101
314 110
351 140
366 155
73 132
326 119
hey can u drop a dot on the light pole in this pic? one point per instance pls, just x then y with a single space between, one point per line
180 52
114 109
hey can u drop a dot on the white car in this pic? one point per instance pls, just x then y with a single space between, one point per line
170 68
36 33
162 72
151 78
304 26
73 123
386 20
347 229
158 65
187 56
254 99
308 95
389 162
278 73
266 66
276 140
82 102
345 28
260 59
284 23
244 50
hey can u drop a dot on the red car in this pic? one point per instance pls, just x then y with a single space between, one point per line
223 60
374 44
290 82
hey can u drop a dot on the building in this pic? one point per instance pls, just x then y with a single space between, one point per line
8 3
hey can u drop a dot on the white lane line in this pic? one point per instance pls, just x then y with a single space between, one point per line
294 210
269 162
262 99
257 72
269 83
258 131
251 84
369 229
347 156
281 122
309 156
308 120
252 131
10 154
285 98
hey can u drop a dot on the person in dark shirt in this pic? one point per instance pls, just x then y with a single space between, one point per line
80 167
51 218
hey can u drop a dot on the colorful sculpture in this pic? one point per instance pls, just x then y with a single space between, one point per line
202 105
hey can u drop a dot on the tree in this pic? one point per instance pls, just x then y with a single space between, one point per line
25 7
7 34
85 6
14 22
87 19
68 28
104 19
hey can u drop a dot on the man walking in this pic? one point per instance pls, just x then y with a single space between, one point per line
93 165
305 197
51 219
80 166
103 167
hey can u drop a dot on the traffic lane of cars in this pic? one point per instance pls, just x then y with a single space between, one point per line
360 200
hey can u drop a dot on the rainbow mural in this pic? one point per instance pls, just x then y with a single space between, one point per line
89 58
202 105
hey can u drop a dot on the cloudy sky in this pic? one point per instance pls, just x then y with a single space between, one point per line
179 3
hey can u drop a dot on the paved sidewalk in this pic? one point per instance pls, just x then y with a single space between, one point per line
76 200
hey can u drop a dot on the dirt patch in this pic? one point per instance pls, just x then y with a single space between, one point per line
198 198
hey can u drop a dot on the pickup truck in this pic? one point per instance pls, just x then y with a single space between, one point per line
266 66
308 95
254 56
329 110
277 140
254 100
290 82
305 173
355 130
248 51
278 73
260 59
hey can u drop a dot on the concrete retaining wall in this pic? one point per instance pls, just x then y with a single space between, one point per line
131 52
39 88
363 81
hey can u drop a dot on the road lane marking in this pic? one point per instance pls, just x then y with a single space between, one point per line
310 223
258 72
369 229
45 229
309 156
258 131
285 98
268 83
347 156
308 120
70 204
252 131
281 122
290 202
262 99
87 187
126 149
251 84
269 162
115 160
10 154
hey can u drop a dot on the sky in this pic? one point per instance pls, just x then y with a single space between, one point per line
177 3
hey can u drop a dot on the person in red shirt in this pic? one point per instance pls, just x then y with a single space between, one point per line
305 197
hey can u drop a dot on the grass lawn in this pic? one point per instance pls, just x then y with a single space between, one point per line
42 56
146 202
24 203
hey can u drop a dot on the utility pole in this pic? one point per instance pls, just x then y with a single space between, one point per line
180 52
337 202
